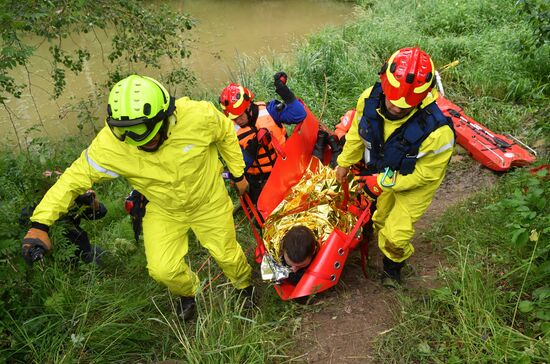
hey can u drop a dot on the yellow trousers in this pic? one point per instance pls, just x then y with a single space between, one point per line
394 218
166 244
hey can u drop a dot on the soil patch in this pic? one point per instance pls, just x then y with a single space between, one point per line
342 324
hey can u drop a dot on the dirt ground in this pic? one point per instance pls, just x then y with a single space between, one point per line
341 325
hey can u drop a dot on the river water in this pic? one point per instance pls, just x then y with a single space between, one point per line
225 30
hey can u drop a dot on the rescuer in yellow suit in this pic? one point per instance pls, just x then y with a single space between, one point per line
406 143
168 150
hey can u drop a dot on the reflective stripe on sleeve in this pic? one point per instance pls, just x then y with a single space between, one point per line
99 168
437 151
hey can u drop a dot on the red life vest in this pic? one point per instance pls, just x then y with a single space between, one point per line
267 155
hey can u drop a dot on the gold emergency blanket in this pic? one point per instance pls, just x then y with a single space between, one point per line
313 202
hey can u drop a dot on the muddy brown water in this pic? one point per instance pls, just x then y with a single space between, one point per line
224 31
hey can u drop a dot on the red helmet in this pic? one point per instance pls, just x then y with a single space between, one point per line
235 99
407 77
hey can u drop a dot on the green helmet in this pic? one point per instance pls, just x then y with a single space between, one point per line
137 108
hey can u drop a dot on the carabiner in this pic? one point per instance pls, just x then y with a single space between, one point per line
388 173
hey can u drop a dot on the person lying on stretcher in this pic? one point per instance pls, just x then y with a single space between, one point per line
296 230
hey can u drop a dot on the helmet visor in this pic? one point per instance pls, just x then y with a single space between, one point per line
132 129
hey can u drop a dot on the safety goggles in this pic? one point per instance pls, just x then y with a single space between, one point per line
141 128
138 129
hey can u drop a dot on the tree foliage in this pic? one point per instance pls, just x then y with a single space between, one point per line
141 33
538 15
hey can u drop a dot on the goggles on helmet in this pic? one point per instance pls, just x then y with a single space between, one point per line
138 130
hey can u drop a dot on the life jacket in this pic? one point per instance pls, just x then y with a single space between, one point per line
399 152
267 155
344 125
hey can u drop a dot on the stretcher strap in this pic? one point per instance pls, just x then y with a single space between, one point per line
363 248
252 208
358 224
345 186
278 148
363 217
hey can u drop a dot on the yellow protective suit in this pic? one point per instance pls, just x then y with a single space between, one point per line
400 206
182 181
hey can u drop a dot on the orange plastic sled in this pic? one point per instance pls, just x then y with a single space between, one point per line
495 151
326 268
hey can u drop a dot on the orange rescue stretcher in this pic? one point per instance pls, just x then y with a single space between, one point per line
326 268
495 151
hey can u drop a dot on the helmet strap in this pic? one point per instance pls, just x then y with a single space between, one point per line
384 110
163 132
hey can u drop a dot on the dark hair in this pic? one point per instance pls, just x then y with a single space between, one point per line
299 243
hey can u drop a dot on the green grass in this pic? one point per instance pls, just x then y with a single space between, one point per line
60 312
493 305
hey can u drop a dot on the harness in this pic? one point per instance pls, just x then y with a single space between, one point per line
266 154
400 151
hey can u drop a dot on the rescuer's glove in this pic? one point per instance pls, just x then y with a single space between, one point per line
282 89
280 78
93 208
320 144
336 148
36 244
370 185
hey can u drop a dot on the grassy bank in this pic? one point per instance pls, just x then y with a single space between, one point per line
494 303
64 311
492 307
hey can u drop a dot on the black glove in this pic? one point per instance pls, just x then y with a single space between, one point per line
93 209
320 144
281 88
280 78
135 206
85 199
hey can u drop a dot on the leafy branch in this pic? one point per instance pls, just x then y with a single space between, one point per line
141 33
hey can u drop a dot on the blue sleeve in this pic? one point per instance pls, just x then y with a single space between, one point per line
248 159
292 113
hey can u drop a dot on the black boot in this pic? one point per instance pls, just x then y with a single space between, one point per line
186 307
391 277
